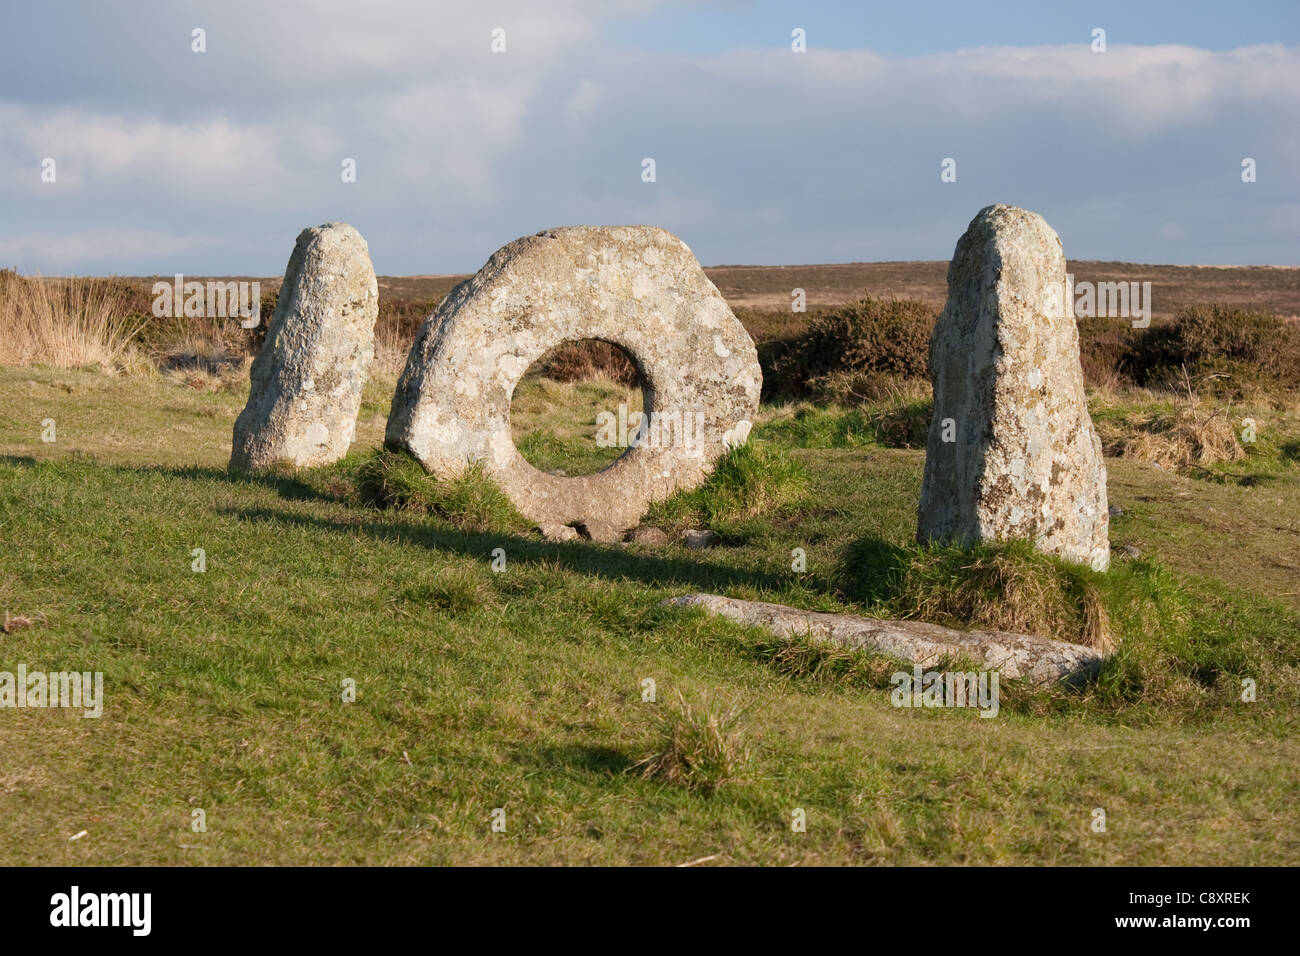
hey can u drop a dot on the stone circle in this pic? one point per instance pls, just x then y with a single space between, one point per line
638 287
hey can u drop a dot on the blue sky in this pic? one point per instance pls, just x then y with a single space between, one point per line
173 161
924 26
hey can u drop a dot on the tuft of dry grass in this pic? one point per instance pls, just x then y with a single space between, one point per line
1191 435
1180 441
701 747
391 349
17 622
218 373
1097 632
66 323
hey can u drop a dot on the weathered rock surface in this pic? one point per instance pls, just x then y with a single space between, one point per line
635 286
558 532
699 538
648 536
1024 460
1037 659
308 377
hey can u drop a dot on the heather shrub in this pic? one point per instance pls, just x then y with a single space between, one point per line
1226 351
885 338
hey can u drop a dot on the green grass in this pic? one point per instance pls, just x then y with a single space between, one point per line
894 424
522 690
395 479
749 481
554 423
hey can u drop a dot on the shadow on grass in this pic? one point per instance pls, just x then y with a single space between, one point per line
289 487
584 758
613 562
870 570
581 557
1224 477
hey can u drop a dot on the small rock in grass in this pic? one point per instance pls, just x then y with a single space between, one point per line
648 536
695 538
1116 511
1128 551
558 532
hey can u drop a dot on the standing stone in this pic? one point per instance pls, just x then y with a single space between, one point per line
1012 452
308 377
638 287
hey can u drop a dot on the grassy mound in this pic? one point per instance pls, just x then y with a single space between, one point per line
1006 587
1177 647
453 591
470 501
750 480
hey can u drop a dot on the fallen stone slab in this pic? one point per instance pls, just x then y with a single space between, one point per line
1037 659
307 378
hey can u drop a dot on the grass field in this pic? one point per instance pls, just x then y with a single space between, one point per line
522 690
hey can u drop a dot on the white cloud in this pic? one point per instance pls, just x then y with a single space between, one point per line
447 136
762 154
587 96
97 150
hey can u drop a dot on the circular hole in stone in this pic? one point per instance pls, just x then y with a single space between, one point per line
575 408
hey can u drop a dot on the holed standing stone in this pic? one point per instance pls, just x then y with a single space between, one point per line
638 287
